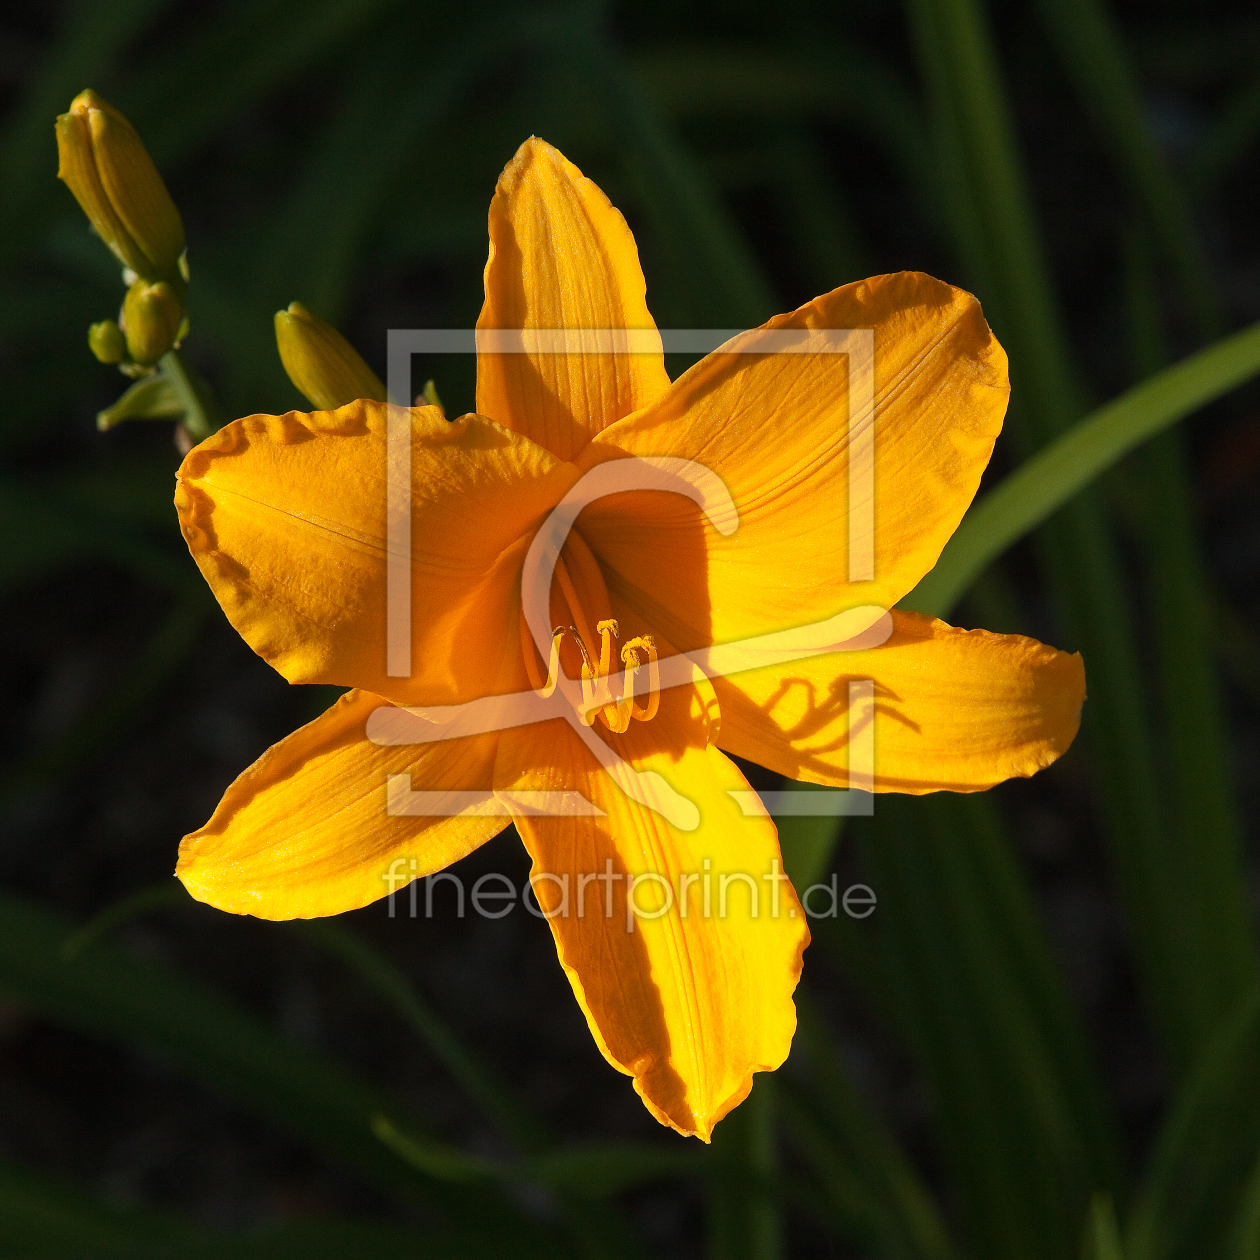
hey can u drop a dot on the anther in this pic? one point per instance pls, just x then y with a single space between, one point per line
597 697
607 631
630 658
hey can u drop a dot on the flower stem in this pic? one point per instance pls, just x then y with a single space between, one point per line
201 413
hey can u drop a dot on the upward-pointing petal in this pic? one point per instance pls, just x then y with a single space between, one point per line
562 258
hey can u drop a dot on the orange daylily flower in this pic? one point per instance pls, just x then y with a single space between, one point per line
286 516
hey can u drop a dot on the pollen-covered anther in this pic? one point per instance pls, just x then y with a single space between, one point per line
597 697
630 658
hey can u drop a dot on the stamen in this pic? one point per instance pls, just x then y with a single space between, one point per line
630 658
553 665
607 631
544 689
616 717
594 689
598 699
567 589
581 648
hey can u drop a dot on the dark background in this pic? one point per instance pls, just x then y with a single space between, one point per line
344 155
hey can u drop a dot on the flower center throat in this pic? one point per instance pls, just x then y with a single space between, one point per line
614 709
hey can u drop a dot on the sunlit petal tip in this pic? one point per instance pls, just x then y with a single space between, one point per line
305 831
946 709
705 1122
656 1084
696 994
700 1121
563 261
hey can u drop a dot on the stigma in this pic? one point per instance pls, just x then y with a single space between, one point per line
615 710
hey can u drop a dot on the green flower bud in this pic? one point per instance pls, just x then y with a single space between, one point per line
107 342
327 370
430 395
152 314
152 398
105 165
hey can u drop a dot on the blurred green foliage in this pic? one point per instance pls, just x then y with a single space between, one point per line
342 153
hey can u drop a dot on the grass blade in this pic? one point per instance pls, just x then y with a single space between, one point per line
1061 470
996 233
808 843
743 1214
1020 1116
596 1170
814 207
1227 140
1202 1158
1245 1235
491 1095
702 240
105 994
266 42
1093 54
1210 862
1181 600
876 1196
108 920
848 84
1102 1234
576 1176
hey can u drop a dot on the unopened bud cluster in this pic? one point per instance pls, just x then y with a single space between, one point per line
106 167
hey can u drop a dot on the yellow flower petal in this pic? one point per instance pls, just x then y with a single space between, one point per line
690 1006
304 831
562 258
954 709
285 515
774 427
680 935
